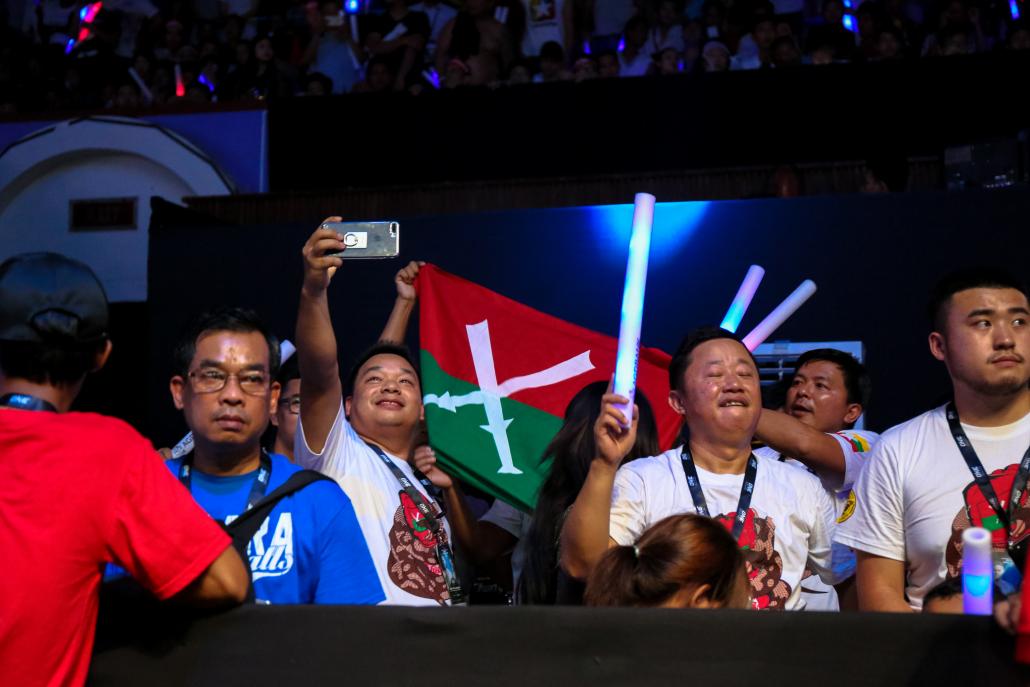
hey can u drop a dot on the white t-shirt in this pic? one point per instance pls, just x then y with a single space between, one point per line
856 445
911 499
406 562
516 523
673 39
635 67
543 24
789 527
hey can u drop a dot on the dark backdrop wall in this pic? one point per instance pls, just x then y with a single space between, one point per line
873 257
621 126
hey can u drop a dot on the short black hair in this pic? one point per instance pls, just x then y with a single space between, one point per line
380 348
963 280
552 50
288 370
58 364
681 360
856 376
222 319
952 587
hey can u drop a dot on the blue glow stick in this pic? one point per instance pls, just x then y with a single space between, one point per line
633 301
778 316
977 572
745 293
1014 9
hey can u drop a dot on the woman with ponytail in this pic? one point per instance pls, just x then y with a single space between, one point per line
683 561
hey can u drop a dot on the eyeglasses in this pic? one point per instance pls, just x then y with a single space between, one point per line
292 404
210 380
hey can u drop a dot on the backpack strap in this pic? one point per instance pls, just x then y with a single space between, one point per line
244 527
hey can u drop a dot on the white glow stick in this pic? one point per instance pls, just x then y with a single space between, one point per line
745 293
144 91
286 350
977 572
633 301
778 316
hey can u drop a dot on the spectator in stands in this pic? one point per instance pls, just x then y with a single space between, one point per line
271 77
399 36
288 408
869 24
956 19
668 33
827 395
608 65
890 44
364 441
317 84
757 53
332 50
633 60
785 53
310 548
665 62
474 32
378 77
519 73
438 13
79 489
715 57
920 489
1018 37
547 22
682 561
822 55
609 21
781 515
831 32
584 68
552 64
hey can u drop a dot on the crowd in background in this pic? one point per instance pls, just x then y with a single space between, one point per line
128 54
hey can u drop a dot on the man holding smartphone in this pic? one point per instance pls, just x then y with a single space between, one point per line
364 438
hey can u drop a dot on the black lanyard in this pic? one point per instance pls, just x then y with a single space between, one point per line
443 550
983 481
746 489
257 489
26 402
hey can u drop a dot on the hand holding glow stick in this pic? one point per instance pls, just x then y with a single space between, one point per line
778 316
745 293
633 301
977 572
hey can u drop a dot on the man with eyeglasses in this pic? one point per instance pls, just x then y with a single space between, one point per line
310 548
288 410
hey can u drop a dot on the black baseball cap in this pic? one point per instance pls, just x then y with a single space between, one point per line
48 298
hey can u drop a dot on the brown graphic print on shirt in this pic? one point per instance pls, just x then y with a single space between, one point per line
412 564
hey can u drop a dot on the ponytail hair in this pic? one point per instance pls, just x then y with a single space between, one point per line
680 552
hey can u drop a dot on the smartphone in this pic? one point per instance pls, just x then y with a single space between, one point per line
367 239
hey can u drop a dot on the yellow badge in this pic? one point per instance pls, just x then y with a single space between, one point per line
849 507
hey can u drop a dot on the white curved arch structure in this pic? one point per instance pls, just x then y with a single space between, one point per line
98 157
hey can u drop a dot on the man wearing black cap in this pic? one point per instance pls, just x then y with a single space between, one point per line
80 490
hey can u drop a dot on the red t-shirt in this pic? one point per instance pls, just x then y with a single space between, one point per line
77 491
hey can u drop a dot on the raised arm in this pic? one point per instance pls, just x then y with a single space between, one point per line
481 541
316 342
795 439
396 328
585 538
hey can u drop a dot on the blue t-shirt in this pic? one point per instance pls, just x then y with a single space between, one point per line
309 550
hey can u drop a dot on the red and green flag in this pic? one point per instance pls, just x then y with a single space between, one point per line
497 376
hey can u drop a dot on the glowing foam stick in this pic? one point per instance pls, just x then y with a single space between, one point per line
633 301
977 572
778 316
180 87
745 293
144 91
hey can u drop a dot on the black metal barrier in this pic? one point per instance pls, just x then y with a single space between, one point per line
338 645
